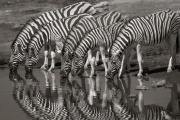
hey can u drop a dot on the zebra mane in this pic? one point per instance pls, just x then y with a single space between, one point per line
32 19
131 18
163 10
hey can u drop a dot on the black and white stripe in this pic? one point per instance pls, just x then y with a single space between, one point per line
102 37
148 30
19 45
53 32
81 29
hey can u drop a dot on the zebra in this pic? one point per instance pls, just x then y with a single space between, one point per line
101 37
81 29
147 30
50 33
19 45
141 112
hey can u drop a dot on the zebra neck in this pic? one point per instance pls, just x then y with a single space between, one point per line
84 47
124 38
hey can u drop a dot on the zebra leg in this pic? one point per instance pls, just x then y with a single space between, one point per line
53 55
92 67
120 74
45 65
92 62
62 60
88 59
102 50
97 58
124 63
139 59
172 60
87 62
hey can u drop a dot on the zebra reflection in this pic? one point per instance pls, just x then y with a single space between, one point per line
125 111
28 94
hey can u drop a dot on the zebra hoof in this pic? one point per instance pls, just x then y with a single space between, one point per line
169 70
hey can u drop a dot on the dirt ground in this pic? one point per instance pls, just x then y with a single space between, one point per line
13 16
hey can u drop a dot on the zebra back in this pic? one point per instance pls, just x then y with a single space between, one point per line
146 30
51 32
80 7
19 45
86 25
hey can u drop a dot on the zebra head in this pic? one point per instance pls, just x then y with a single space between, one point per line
113 69
114 65
31 59
77 65
17 56
66 65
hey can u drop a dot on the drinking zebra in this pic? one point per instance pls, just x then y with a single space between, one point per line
19 45
148 30
51 33
102 37
81 29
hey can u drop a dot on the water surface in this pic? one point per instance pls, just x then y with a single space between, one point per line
28 96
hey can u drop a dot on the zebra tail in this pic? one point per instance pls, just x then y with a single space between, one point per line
178 42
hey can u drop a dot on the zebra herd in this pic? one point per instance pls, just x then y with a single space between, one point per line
77 29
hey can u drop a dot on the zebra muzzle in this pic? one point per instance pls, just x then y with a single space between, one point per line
28 69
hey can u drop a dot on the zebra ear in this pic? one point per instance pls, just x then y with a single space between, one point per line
19 49
72 55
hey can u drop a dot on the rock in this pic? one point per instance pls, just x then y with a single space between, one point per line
160 83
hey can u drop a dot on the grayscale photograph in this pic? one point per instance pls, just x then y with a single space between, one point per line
90 59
